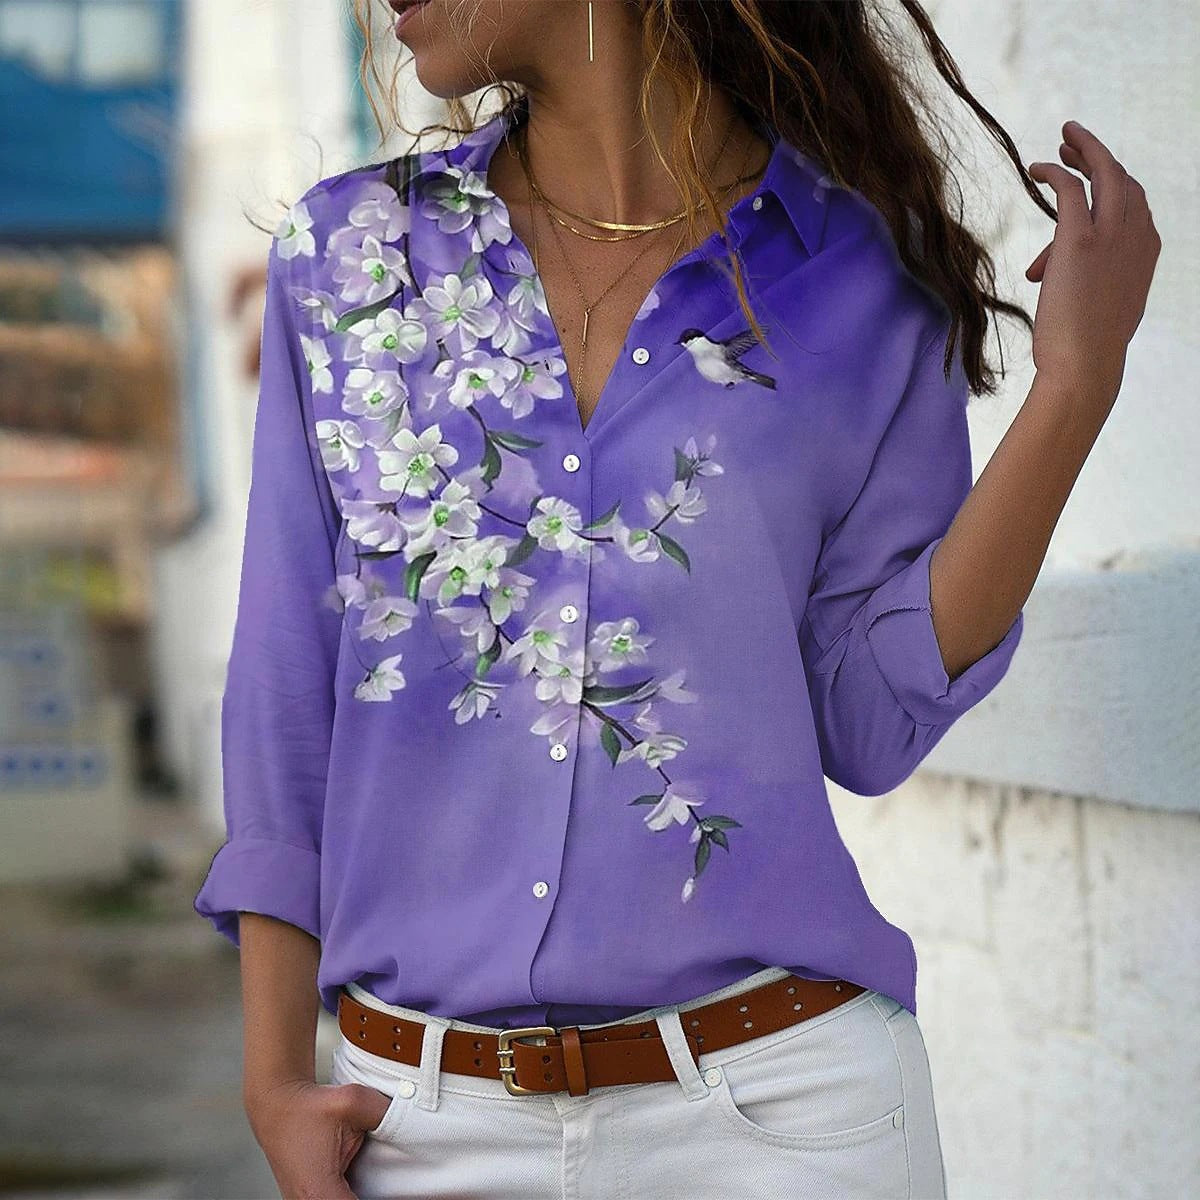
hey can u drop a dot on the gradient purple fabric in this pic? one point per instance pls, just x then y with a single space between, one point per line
528 721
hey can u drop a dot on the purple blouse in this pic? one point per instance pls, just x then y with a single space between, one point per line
528 720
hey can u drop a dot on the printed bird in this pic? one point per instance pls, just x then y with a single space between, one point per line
718 361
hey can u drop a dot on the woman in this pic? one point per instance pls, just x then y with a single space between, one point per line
611 488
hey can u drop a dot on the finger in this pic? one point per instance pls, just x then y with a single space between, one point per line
1037 268
1103 171
1073 211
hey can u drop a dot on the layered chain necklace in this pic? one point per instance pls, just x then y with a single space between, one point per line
626 231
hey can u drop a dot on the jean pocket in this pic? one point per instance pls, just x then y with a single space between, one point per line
835 1083
352 1064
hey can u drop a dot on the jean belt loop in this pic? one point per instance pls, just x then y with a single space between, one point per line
670 1028
428 1091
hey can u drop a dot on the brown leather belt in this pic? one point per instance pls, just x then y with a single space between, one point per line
576 1060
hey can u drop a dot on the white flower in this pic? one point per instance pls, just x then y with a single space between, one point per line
509 594
386 616
689 886
373 523
457 305
672 689
464 567
537 647
557 722
640 544
473 700
682 502
453 513
474 375
378 212
381 680
556 525
675 807
388 338
316 355
318 305
473 622
614 644
656 747
370 272
352 590
411 467
561 681
294 235
373 394
340 442
702 463
532 381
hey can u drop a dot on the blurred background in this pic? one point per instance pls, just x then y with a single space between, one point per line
1044 858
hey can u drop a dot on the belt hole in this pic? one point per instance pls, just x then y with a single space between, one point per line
646 1032
397 1029
837 987
747 1024
362 1033
693 1024
362 1018
478 1045
395 1045
792 990
743 1008
798 1006
478 1063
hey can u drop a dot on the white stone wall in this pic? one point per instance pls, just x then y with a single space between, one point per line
1057 930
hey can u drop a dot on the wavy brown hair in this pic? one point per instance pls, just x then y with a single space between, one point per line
835 78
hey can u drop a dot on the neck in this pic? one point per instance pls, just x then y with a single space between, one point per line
589 145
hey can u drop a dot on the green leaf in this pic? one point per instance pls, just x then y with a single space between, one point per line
652 798
483 664
521 551
717 822
490 462
414 571
703 850
604 520
610 742
606 697
683 468
377 553
718 836
513 441
676 551
366 313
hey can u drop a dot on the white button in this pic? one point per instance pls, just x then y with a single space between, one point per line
898 1118
571 462
641 355
406 1087
568 612
756 203
712 1076
540 888
558 751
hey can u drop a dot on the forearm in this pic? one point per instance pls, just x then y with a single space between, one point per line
982 572
279 1002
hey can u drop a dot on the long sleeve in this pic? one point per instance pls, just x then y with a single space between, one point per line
880 693
278 700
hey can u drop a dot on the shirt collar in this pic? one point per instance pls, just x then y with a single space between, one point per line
793 178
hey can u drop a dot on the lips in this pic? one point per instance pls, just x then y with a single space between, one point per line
404 10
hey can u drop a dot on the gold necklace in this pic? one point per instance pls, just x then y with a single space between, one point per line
636 228
587 308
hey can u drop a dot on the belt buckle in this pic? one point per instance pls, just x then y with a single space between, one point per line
508 1069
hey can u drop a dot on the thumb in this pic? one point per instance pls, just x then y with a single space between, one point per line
1037 268
364 1106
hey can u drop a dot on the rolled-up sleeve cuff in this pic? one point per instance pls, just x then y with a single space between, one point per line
261 875
899 630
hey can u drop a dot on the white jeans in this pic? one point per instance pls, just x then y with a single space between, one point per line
837 1106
